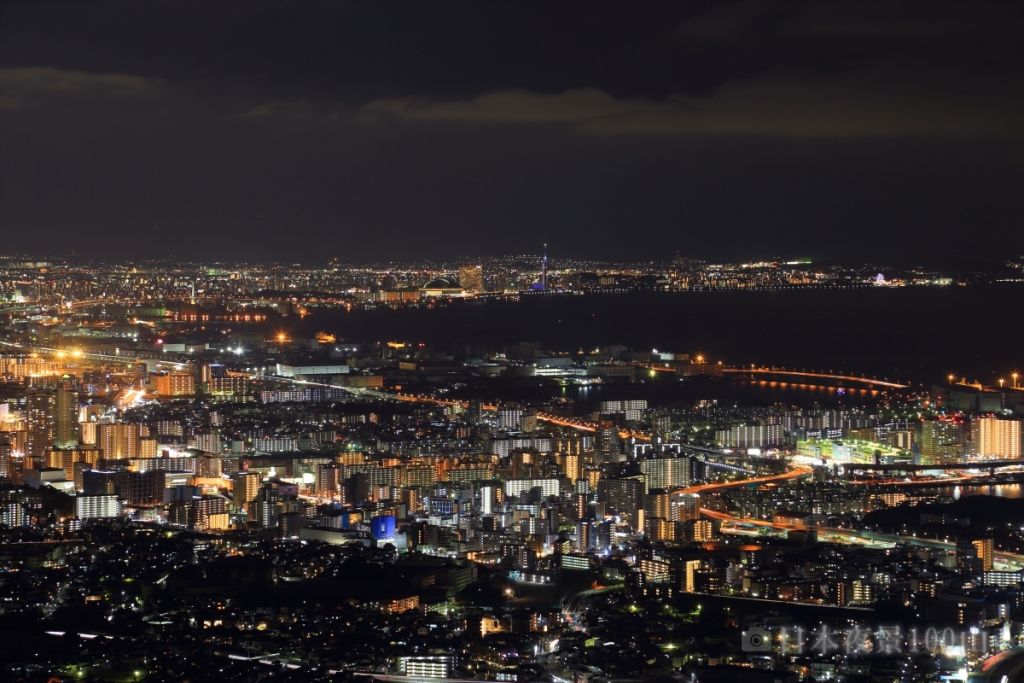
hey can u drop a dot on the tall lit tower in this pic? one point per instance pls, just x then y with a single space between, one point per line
39 413
65 419
544 270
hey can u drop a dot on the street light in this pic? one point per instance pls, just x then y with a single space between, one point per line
1015 375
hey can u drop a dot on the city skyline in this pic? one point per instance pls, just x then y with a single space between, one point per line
349 341
220 456
572 260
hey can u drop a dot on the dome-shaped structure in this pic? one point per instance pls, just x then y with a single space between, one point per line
440 286
438 283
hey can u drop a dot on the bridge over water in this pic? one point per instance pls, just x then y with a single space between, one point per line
758 372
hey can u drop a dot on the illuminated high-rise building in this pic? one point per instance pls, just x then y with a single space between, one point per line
65 424
607 445
209 442
666 473
572 466
510 417
686 507
658 505
703 531
119 441
489 498
87 430
176 384
996 438
97 507
245 489
659 529
967 560
751 436
584 536
624 496
65 459
691 568
985 549
418 475
471 279
9 464
523 464
941 442
39 423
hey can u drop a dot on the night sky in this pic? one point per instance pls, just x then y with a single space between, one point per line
871 130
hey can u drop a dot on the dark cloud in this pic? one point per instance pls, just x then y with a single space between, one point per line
776 107
32 86
880 128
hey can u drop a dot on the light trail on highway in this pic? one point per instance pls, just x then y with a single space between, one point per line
78 354
795 472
